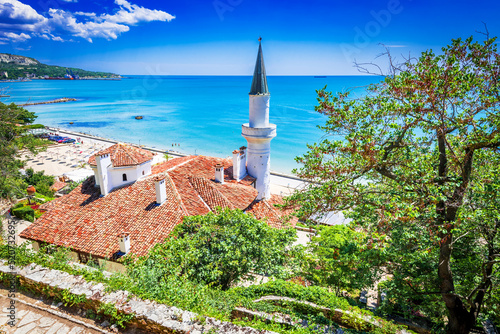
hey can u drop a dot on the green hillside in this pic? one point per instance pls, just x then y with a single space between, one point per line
20 66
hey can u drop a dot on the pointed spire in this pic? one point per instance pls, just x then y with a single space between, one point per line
259 82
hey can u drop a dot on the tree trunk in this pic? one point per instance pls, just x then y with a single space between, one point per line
460 320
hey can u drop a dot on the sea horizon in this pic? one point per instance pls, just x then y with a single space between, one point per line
191 114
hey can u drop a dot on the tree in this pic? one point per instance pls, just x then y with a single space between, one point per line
220 249
343 259
406 162
12 119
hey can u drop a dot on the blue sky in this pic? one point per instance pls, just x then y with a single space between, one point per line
219 37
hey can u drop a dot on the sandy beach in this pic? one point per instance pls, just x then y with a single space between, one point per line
60 159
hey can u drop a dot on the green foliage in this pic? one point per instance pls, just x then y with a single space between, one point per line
202 299
25 213
40 181
220 249
70 299
314 294
72 185
34 126
343 259
11 141
115 316
405 162
42 198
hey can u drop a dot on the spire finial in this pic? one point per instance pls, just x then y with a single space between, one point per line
259 82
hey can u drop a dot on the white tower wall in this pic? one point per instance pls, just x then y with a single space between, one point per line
259 111
259 156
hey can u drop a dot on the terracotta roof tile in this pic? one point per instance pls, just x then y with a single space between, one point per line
58 185
87 222
266 210
124 155
209 194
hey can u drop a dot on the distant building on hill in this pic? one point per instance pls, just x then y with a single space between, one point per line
130 205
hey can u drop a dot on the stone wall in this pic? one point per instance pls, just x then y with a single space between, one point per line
148 315
159 318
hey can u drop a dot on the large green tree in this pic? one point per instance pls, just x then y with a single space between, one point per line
343 259
407 160
13 120
220 250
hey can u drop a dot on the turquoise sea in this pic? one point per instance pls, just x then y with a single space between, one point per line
203 114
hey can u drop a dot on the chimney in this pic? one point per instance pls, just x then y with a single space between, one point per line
124 241
219 173
239 163
161 190
103 161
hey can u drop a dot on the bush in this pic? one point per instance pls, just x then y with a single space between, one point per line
35 126
25 213
40 181
220 249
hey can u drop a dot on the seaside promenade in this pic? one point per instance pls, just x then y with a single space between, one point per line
60 159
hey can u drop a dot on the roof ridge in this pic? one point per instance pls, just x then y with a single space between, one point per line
181 164
207 183
126 152
176 193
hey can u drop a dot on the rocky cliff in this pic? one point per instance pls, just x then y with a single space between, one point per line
18 60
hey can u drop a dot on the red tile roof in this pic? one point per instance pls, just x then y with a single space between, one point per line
58 185
124 155
87 222
274 216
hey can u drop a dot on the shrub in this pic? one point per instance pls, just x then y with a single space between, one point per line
25 213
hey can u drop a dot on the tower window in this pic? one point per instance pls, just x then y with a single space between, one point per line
124 177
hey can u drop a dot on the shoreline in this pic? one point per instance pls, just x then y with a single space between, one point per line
152 149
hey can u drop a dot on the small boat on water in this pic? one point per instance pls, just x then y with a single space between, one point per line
139 117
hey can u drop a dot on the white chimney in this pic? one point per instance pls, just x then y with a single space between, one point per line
103 161
219 173
124 241
239 163
161 190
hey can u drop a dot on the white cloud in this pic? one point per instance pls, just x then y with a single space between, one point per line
132 14
21 19
15 12
64 21
86 14
10 37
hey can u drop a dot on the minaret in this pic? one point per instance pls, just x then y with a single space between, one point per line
258 131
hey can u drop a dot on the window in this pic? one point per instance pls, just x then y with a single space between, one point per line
124 177
142 172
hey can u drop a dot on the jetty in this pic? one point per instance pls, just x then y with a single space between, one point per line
61 100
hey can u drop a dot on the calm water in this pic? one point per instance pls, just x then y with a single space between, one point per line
201 113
